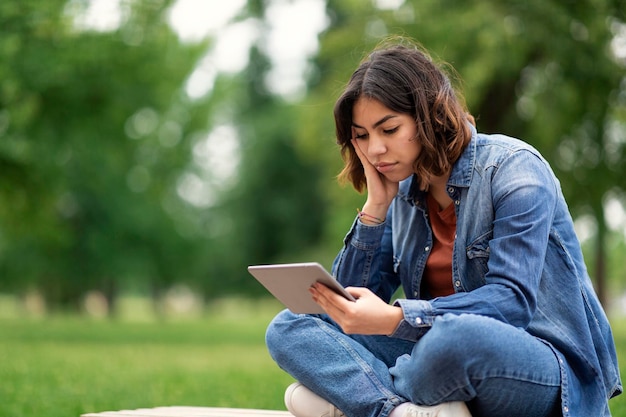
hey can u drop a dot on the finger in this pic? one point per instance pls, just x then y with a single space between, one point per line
358 292
360 153
325 293
371 173
319 296
330 301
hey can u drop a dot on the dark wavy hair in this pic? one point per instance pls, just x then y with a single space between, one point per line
403 77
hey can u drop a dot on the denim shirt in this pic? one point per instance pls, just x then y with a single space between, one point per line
516 258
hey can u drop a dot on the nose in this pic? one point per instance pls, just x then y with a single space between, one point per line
376 145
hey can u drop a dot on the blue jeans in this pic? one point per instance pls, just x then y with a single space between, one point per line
497 369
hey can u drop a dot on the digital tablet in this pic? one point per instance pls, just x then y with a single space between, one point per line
290 284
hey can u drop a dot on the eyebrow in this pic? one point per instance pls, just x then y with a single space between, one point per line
378 123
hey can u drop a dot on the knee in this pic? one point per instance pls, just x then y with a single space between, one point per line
461 337
276 329
455 345
283 332
445 357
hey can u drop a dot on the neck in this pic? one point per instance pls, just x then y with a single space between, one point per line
438 190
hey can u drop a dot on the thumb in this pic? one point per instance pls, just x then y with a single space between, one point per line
358 292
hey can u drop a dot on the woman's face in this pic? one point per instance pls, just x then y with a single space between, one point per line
387 138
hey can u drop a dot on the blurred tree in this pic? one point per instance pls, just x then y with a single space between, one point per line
543 71
275 210
95 126
102 181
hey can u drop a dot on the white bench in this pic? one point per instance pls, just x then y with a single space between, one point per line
191 412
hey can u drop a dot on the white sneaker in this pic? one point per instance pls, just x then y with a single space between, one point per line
302 402
451 409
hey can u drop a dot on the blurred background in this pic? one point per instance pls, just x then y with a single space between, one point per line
155 148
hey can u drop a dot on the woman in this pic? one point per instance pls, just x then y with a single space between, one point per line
500 317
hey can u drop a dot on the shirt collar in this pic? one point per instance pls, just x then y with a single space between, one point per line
461 175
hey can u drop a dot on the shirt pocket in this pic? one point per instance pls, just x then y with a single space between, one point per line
477 259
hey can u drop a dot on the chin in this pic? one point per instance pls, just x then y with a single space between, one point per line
398 177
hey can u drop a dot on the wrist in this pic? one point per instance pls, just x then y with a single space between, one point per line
369 219
395 317
374 211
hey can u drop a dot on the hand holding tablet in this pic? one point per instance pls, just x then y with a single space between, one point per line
290 284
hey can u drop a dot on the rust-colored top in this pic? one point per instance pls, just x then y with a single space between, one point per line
438 270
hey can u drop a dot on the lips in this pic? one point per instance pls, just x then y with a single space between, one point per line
385 166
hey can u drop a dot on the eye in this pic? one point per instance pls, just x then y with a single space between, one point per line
360 135
391 131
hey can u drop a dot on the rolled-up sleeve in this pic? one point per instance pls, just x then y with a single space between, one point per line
366 259
418 318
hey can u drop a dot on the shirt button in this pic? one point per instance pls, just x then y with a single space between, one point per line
450 190
457 283
415 294
418 321
566 409
427 248
457 202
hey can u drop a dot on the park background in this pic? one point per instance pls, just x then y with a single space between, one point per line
151 149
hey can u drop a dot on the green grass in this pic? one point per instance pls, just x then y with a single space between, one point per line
618 404
66 366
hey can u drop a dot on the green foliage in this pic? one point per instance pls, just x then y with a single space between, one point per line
97 136
95 126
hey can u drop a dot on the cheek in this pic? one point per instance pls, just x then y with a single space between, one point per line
413 148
